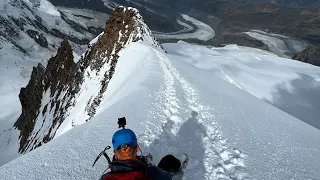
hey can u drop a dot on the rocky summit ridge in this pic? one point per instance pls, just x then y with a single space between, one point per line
52 93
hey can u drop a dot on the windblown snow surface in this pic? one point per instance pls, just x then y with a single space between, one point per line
188 101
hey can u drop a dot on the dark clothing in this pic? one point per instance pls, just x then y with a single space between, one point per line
170 163
155 173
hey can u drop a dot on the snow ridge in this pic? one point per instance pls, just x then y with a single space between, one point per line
101 62
67 94
221 162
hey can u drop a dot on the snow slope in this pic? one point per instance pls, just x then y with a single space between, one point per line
289 85
15 69
175 106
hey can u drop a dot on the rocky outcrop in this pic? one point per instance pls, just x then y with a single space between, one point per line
38 38
58 77
310 55
122 28
53 92
30 98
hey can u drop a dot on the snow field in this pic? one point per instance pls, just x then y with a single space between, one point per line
270 139
255 71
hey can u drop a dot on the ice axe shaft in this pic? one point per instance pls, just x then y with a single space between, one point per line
104 154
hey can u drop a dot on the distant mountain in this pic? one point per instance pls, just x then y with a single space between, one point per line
225 17
286 3
298 3
97 5
42 23
32 30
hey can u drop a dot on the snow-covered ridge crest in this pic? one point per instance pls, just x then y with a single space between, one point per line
66 94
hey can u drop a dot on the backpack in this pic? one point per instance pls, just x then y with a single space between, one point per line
134 175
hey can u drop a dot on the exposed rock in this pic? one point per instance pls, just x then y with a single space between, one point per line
58 76
120 27
38 38
60 70
310 55
30 98
53 92
7 29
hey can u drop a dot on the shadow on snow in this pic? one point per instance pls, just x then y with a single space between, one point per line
302 102
188 140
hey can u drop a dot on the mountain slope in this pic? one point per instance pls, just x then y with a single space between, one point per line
210 103
176 107
30 32
69 87
288 85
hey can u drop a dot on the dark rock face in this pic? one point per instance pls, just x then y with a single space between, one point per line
38 38
116 23
52 91
30 98
60 69
111 44
121 21
310 55
58 76
7 30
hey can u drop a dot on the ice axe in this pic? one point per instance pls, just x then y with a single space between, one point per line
104 154
122 123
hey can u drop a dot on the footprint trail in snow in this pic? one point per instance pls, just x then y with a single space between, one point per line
189 127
